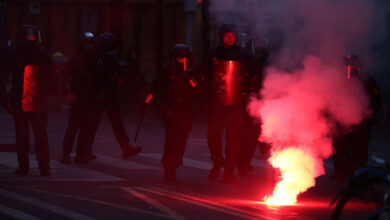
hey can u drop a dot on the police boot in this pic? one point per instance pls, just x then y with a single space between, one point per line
215 171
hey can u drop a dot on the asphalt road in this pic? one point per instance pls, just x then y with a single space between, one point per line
112 188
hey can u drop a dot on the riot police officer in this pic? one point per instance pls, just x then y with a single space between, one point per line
30 72
177 87
229 70
86 98
252 131
113 75
350 149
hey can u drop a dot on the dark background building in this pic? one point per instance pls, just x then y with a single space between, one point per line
146 28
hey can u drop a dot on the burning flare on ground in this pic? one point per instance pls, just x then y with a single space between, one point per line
297 170
299 112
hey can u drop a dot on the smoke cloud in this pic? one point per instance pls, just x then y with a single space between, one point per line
299 109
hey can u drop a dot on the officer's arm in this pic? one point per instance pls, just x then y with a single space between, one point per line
157 85
119 68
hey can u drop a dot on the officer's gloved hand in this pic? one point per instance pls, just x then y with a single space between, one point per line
146 103
193 82
148 98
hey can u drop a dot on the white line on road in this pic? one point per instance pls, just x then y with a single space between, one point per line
200 203
123 164
16 213
186 161
60 171
171 214
256 214
104 203
38 203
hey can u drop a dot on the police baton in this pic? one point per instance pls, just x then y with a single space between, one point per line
140 120
142 114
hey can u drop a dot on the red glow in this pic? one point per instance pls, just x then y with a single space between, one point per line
349 67
35 87
297 170
193 83
229 39
183 61
29 88
32 37
149 98
228 78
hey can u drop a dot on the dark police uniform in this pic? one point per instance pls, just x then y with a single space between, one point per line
86 109
229 77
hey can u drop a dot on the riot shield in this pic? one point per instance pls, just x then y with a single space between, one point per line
228 81
36 88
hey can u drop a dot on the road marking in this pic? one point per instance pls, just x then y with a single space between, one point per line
98 202
215 204
41 204
16 213
255 214
60 171
186 161
171 214
228 210
123 164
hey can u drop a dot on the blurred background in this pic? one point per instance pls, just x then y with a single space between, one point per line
146 29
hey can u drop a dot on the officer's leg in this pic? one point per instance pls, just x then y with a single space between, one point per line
170 158
88 128
22 141
359 150
39 126
248 144
114 115
74 123
233 138
177 131
186 124
216 125
342 158
92 127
